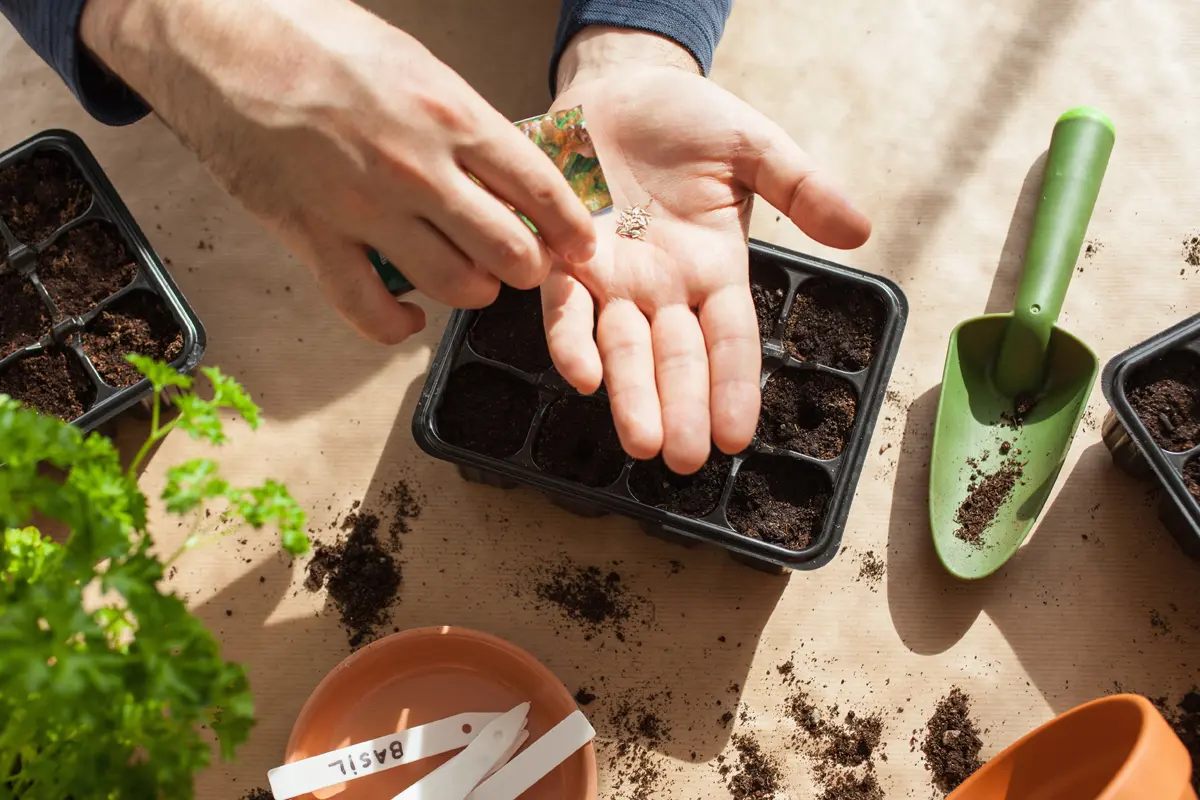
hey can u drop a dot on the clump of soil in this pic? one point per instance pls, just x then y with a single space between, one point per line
758 774
258 794
361 576
871 569
52 382
578 441
1191 476
486 410
1191 250
588 595
40 195
768 287
1023 405
23 316
584 698
1165 394
808 412
987 494
84 266
694 495
511 331
842 749
835 324
779 501
1185 720
952 742
136 323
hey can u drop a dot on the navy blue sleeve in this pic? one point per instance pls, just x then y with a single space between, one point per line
51 28
696 25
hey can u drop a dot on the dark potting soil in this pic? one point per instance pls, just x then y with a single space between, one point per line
952 742
52 382
842 749
405 505
84 266
779 501
1191 250
835 324
486 410
808 412
136 323
758 774
1165 394
258 794
768 287
694 495
982 503
871 568
511 331
578 441
1191 476
42 194
23 316
587 595
361 576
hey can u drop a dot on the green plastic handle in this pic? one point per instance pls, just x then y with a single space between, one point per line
1079 151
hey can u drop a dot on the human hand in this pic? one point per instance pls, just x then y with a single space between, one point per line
342 132
676 342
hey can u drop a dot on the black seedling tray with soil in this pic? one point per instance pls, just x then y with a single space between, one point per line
1153 426
80 288
494 406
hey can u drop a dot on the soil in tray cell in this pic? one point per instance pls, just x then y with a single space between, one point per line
779 500
84 266
23 316
1191 476
41 194
808 412
135 323
52 382
1165 394
768 287
486 410
835 323
695 495
578 441
510 331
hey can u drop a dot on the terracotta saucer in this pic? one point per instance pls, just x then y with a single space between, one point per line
424 675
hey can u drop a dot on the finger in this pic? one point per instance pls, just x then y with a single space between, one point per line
568 312
517 171
775 167
735 365
681 371
623 336
436 266
492 236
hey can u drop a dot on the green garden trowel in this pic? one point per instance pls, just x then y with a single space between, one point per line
1015 386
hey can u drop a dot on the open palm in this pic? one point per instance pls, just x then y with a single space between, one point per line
676 341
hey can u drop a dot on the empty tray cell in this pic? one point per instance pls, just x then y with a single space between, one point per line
486 410
41 194
768 287
135 323
836 324
779 500
53 382
86 265
808 412
23 316
1165 394
578 441
695 495
510 330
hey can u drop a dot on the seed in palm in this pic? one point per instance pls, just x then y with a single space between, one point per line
633 222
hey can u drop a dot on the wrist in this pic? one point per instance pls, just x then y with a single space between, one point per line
599 51
112 31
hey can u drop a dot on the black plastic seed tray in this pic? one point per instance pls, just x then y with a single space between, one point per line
1152 428
494 406
77 279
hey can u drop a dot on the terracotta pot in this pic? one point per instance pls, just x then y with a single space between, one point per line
423 675
1115 748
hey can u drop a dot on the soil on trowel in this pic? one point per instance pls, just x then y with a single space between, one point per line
768 287
1023 405
842 748
952 743
988 493
23 317
511 331
486 410
362 577
757 775
808 412
42 194
694 495
136 323
578 441
84 266
779 501
52 382
1165 394
594 598
835 324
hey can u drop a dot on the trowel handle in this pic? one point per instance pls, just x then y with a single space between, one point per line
1075 165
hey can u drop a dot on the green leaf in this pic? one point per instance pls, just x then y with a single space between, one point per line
161 375
191 483
228 393
271 503
200 418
